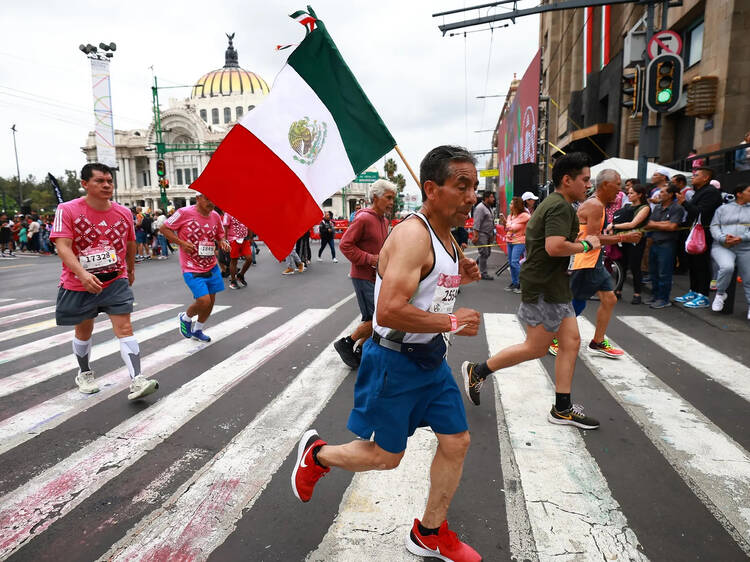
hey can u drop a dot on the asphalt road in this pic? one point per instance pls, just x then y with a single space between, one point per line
201 468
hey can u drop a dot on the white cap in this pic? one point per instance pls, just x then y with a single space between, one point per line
528 195
663 171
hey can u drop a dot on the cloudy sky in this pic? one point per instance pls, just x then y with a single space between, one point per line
423 84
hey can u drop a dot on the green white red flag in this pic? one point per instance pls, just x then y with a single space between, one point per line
310 137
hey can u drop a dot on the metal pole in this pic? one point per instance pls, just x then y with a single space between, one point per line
18 170
643 142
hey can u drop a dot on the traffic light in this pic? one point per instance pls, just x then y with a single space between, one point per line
164 183
664 82
161 168
629 91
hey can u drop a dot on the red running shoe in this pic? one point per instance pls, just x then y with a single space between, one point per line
444 546
307 472
605 348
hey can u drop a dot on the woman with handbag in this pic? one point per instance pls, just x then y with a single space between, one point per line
629 218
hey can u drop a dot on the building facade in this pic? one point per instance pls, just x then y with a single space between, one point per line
585 54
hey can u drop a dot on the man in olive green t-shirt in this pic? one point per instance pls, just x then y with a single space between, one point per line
551 238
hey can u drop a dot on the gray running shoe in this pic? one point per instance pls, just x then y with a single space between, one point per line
86 382
141 386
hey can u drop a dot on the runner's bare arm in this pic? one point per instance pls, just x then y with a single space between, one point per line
171 235
130 260
89 281
559 247
405 257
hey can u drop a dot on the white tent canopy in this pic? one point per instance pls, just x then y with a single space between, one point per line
629 168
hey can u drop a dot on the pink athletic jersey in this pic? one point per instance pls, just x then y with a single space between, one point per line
95 234
235 229
202 232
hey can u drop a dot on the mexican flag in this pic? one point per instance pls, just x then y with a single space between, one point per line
310 137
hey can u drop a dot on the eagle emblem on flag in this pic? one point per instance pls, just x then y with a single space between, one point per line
307 137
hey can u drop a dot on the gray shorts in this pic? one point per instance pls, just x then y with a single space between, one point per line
549 314
365 291
74 307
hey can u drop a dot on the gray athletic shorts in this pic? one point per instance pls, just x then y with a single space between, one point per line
73 307
549 314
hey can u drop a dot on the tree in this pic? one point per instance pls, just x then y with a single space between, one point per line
390 168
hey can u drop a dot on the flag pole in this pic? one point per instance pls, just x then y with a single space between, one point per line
413 175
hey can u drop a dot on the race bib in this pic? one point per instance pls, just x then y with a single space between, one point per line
445 293
206 248
98 258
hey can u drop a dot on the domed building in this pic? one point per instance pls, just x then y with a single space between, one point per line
191 130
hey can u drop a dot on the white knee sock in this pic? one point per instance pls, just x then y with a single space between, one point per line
131 355
82 350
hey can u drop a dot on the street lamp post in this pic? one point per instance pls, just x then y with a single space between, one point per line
18 169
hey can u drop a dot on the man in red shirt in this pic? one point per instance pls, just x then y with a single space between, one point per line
361 245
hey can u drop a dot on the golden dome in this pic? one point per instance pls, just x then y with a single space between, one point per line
230 80
227 82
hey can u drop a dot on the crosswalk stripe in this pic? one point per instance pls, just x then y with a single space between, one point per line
5 300
21 304
28 329
569 504
29 423
723 369
378 508
65 337
5 320
40 373
223 489
715 467
33 507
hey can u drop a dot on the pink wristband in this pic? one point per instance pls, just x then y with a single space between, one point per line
454 322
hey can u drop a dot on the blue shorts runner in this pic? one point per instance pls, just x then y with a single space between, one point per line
393 397
73 307
202 284
365 291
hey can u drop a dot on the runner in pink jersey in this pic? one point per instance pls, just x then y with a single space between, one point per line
240 246
95 240
196 230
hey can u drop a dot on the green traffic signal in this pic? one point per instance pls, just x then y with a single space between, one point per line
161 168
663 96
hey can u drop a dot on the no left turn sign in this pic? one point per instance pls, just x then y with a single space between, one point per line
664 42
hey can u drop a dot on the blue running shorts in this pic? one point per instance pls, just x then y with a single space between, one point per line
201 286
393 397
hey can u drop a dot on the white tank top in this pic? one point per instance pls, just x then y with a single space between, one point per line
435 293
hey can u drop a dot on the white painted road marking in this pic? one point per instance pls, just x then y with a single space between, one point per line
713 465
33 507
21 304
379 507
65 337
34 375
29 423
726 371
204 511
5 320
569 504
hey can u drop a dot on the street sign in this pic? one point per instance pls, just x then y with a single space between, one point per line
664 42
366 177
489 173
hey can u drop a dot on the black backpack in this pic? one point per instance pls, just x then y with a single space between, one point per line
146 223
